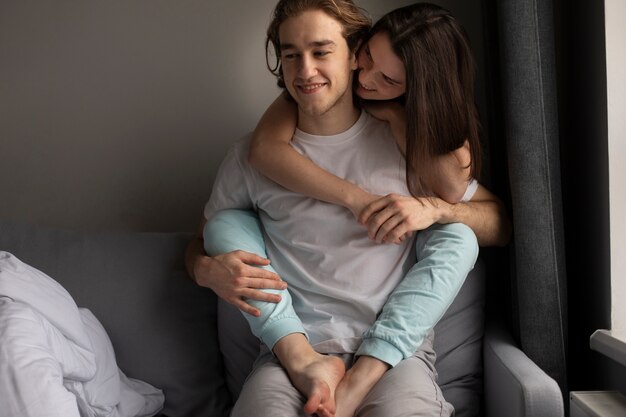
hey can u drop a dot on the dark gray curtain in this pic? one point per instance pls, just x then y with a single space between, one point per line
528 89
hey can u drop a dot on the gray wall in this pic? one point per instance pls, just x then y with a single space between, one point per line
115 114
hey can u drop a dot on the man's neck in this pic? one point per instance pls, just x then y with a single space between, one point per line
335 121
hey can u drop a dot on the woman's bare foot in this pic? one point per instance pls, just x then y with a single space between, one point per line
315 375
317 379
357 383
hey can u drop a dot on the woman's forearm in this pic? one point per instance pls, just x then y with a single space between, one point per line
271 154
297 173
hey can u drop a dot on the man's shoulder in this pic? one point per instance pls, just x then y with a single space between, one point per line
241 145
238 150
235 158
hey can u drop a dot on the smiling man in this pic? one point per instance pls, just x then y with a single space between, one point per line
317 72
339 279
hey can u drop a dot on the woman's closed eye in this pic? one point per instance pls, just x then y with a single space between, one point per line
390 80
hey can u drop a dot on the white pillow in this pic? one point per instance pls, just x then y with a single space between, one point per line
71 345
31 378
110 392
56 359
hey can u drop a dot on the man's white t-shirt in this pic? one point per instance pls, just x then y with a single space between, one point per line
339 279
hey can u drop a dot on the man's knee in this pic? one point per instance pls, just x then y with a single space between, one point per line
268 392
409 389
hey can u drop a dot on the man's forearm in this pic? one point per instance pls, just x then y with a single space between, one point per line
194 251
488 219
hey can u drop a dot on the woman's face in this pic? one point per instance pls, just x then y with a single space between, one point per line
381 72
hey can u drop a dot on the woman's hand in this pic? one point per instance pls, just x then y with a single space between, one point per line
358 199
236 277
393 218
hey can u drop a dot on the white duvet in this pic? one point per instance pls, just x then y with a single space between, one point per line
56 359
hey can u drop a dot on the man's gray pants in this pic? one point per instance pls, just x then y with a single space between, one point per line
409 389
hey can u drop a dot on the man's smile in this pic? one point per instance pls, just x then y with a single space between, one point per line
311 88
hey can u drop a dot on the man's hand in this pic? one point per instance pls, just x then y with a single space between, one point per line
393 218
236 277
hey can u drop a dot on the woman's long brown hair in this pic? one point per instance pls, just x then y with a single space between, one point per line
439 98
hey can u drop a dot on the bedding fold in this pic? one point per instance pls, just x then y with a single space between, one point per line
56 358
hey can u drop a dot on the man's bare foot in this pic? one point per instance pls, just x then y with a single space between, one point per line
357 383
315 375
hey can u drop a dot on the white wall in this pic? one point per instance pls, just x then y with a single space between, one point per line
615 15
115 114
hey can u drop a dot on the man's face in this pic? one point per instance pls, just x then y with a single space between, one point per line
316 61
